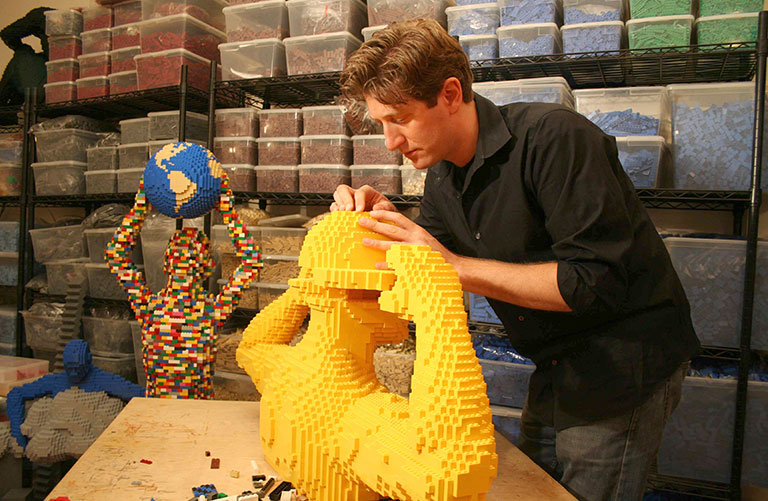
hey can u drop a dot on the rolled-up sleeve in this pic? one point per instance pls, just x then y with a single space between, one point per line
581 188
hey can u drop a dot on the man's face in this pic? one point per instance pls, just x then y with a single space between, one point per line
420 133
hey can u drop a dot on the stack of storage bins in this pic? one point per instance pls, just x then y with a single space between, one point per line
96 41
126 35
279 150
727 22
639 118
9 256
236 146
326 150
527 90
528 28
172 34
475 24
10 164
63 28
593 27
660 24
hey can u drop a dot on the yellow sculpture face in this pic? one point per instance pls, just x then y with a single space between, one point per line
327 424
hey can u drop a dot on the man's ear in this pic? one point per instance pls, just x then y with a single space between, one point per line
451 94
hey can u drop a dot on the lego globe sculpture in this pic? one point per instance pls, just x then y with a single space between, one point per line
183 180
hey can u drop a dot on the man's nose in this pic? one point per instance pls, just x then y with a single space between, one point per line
392 137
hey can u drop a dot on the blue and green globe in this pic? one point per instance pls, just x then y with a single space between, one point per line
183 180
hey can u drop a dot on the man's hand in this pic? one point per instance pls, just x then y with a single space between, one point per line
362 199
401 231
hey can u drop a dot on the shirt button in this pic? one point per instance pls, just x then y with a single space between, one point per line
521 318
477 236
554 362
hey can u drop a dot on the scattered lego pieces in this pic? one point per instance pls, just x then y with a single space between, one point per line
146 461
205 490
234 474
215 462
207 453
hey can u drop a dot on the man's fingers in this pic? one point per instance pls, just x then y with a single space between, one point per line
384 205
334 207
360 200
374 243
392 217
343 196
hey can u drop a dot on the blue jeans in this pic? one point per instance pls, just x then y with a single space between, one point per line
607 459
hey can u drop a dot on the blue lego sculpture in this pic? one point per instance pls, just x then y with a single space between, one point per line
79 373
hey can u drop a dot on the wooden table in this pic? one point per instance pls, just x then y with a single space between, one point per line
175 435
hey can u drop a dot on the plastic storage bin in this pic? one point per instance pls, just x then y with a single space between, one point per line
704 157
94 65
242 177
97 17
285 122
64 47
712 274
667 31
133 156
10 180
237 122
268 292
507 383
532 90
102 284
128 180
394 370
721 7
134 130
155 146
530 11
63 70
235 150
322 178
328 149
9 268
279 269
252 21
250 296
126 81
254 59
8 315
63 22
282 241
126 36
313 17
372 150
61 272
653 8
123 366
645 160
593 38
698 437
9 236
107 335
529 40
321 120
181 31
207 11
383 178
127 12
479 47
477 19
370 30
163 69
102 158
60 92
97 240
59 178
92 87
96 41
277 178
506 421
122 59
592 11
727 29
10 150
319 53
480 310
19 368
64 144
384 12
100 182
43 332
165 125
412 179
279 150
60 242
627 111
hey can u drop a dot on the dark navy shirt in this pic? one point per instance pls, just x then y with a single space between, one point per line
545 185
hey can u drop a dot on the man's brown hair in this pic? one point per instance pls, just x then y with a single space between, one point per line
408 59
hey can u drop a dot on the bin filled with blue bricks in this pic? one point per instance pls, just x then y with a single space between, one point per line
593 39
627 111
515 12
505 371
480 47
713 126
654 8
529 40
592 11
645 159
722 7
665 31
478 19
730 28
712 273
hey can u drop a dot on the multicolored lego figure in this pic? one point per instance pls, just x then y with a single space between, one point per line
179 323
327 424
79 372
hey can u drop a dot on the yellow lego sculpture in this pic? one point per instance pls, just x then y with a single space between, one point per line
327 425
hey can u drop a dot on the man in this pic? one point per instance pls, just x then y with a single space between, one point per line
531 206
